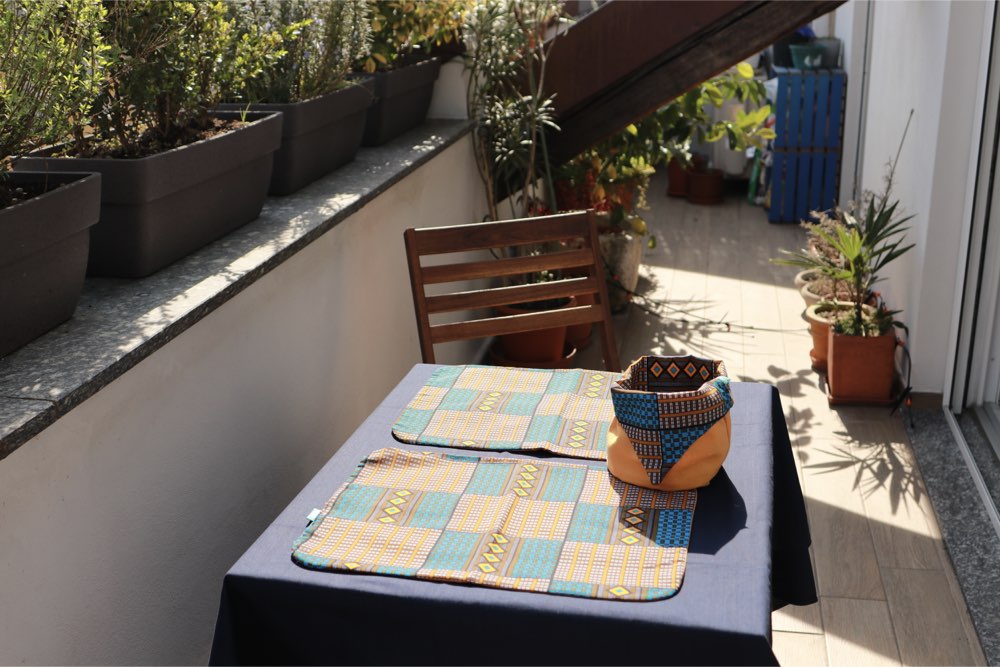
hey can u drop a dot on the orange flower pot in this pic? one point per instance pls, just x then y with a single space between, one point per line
677 179
861 369
819 317
542 346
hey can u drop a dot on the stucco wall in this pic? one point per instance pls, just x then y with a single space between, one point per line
925 56
118 522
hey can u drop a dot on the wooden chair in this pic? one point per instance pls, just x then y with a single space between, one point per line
580 255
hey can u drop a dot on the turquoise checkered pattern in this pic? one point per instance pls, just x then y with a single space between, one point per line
513 523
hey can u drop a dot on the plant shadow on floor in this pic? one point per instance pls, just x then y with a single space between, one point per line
878 466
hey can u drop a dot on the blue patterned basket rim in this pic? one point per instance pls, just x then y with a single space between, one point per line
705 388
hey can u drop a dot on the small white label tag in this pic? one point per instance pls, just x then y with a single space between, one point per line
312 515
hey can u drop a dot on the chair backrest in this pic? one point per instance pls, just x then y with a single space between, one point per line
565 244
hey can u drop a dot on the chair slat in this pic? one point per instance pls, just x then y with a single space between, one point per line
484 235
496 326
502 296
579 227
509 266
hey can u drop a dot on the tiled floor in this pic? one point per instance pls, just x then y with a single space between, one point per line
888 594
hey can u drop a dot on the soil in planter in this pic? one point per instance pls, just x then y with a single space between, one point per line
151 143
11 194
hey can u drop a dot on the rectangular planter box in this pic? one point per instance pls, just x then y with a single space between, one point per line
43 254
157 209
861 370
317 135
402 97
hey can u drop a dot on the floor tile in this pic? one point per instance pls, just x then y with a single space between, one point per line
858 632
793 648
711 289
928 628
806 619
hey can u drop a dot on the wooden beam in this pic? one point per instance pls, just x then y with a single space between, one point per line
726 38
621 37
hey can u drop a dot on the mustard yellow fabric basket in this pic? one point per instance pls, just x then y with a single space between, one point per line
672 426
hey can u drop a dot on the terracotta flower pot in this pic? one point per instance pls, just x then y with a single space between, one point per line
622 255
819 317
705 187
861 369
677 179
543 346
803 278
579 335
811 298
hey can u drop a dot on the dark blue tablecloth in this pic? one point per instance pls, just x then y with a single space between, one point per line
747 555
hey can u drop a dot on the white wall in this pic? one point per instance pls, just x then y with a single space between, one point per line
850 25
925 56
118 522
450 91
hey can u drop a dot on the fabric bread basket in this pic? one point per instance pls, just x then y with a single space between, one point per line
672 427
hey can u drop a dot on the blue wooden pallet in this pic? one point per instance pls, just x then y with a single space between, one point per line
802 182
805 171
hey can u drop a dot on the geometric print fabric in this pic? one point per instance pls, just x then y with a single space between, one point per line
664 404
561 528
566 412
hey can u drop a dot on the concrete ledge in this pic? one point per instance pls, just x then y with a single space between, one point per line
120 322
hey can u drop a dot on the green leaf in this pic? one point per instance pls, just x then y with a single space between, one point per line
745 70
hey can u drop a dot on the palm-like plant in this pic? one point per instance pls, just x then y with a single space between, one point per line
864 247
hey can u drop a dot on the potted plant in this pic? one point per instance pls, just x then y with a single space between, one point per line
861 342
403 73
510 110
612 178
323 109
175 175
688 120
50 55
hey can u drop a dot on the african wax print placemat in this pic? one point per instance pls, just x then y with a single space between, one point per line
562 528
487 407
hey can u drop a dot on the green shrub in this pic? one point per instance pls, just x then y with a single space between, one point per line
687 118
170 63
321 41
51 59
401 28
507 100
614 175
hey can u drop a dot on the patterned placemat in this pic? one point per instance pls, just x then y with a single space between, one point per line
562 528
487 407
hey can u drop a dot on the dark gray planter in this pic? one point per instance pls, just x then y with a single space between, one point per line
157 209
402 97
317 135
43 254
